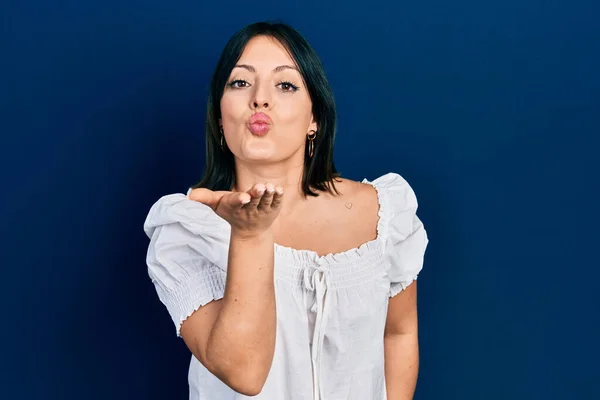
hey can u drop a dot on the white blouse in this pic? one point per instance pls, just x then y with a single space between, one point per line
331 310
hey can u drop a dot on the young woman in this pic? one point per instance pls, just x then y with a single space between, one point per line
285 281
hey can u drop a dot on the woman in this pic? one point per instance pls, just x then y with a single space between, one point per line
284 280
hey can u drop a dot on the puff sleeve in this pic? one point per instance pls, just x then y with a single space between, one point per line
187 255
405 236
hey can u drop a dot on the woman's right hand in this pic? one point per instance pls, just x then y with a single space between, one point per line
250 213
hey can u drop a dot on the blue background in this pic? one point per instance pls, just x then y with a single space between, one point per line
489 110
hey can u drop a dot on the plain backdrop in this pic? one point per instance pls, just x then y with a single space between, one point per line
489 109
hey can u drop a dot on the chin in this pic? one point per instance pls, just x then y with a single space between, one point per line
259 152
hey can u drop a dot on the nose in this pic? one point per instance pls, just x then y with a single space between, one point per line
257 104
261 98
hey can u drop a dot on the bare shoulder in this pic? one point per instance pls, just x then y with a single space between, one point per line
355 210
357 196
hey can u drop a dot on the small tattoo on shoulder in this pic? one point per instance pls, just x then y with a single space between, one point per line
348 205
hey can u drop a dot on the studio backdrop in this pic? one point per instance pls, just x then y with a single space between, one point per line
488 109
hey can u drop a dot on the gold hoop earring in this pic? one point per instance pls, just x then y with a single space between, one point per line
222 140
311 143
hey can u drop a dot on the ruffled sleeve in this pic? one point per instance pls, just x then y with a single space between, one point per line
405 236
187 255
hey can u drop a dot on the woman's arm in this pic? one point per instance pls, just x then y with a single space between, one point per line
402 345
234 337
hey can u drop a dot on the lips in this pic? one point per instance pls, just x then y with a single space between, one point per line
259 124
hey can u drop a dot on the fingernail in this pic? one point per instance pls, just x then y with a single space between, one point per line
245 201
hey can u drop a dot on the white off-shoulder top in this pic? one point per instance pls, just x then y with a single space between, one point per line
331 310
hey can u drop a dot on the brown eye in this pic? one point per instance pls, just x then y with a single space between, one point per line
288 86
238 84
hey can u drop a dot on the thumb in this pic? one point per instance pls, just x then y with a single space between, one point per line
206 196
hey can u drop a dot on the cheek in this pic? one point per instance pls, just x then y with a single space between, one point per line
295 110
232 108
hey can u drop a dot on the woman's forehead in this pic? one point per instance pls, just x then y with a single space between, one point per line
265 51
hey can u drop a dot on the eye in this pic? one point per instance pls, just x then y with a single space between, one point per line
287 86
238 84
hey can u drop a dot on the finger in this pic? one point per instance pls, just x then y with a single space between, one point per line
277 197
238 200
265 201
256 193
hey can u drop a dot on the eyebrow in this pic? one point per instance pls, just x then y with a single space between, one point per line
276 69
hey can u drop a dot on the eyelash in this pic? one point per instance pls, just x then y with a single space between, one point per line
293 88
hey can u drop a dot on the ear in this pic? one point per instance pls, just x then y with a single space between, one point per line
313 126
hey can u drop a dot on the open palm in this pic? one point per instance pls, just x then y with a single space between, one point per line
250 212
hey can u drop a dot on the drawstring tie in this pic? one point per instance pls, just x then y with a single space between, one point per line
317 279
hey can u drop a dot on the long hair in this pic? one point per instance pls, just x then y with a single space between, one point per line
319 170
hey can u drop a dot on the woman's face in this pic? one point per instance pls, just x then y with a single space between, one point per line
266 111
